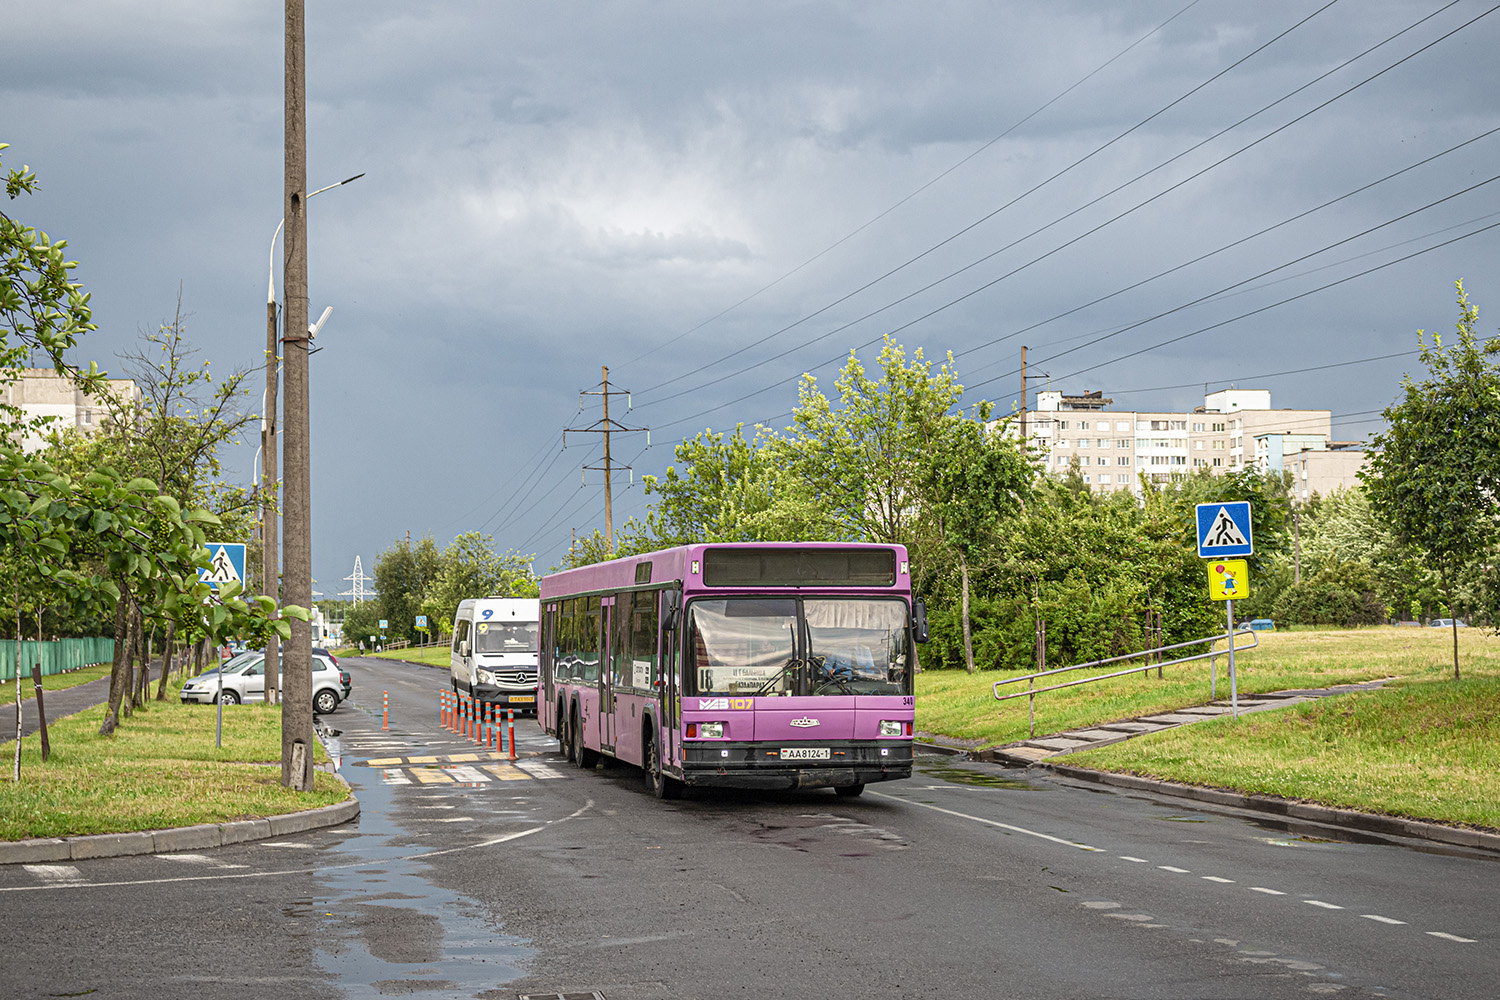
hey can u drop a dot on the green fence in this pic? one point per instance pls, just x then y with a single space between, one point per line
56 656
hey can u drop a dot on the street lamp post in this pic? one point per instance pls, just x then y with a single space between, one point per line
270 578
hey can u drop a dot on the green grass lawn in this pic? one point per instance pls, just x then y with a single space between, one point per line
160 769
955 704
1424 746
433 656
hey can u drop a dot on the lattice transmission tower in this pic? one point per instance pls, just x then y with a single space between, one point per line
358 591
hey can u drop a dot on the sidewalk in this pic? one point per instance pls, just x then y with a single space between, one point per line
1032 751
64 701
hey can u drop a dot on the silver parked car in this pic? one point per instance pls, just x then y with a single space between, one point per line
244 680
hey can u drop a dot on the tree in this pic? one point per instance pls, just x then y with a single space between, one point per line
730 489
403 573
866 459
471 567
1435 471
976 478
172 437
100 536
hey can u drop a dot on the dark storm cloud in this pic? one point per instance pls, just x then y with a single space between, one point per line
554 187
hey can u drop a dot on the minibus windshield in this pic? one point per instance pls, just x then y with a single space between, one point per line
505 637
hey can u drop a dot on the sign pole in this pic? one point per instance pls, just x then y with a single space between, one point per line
1234 695
219 704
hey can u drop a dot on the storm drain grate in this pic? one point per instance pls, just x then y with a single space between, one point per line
591 995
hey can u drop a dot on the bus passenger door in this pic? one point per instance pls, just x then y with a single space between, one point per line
667 688
607 675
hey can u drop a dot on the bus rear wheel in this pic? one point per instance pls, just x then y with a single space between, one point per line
581 755
663 785
850 791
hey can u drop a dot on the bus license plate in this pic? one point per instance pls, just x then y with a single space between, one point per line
528 698
804 753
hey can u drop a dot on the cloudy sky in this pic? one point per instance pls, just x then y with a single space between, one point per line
713 198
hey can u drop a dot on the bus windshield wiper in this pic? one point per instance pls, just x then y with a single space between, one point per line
827 676
791 664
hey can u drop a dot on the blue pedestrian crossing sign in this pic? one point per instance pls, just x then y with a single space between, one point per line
228 564
1224 529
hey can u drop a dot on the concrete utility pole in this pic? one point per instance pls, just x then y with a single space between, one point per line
606 427
1023 398
296 705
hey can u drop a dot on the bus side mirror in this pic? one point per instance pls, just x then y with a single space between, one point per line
463 647
673 601
919 620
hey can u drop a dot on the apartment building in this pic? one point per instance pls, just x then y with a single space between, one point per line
1233 429
41 392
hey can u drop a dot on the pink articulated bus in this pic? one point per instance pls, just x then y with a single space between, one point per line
742 665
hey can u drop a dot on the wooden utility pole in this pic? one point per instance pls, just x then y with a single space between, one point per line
296 704
605 427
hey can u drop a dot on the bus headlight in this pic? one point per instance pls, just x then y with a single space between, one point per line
711 730
889 728
485 676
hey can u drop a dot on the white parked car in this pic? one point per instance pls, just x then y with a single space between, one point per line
244 679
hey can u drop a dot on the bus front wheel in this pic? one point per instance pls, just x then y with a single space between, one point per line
849 791
663 785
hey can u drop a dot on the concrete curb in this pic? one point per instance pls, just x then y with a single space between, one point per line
185 838
1395 826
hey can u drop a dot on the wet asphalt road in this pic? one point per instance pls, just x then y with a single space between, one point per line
482 879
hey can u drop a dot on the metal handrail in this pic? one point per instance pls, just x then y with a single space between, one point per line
1031 692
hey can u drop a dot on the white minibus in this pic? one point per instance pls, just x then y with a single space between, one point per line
494 650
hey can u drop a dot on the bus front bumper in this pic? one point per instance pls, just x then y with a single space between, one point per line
719 764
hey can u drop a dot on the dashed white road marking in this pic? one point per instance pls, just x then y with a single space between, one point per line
1451 937
1383 920
282 843
198 859
1169 868
1215 878
446 819
55 874
986 822
1137 917
1139 861
1268 892
1319 902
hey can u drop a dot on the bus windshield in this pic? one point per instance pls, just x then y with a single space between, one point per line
505 637
815 646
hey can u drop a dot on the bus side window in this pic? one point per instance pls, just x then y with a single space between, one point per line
642 654
589 641
618 646
567 642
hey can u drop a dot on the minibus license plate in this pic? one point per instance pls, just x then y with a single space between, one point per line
804 753
523 697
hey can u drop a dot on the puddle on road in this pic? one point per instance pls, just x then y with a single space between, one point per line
976 778
386 929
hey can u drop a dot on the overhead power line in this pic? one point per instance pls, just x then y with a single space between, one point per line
995 281
990 215
923 187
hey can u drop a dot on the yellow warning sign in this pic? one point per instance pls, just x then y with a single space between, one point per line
1228 579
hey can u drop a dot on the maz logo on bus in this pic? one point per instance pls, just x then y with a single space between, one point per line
724 703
